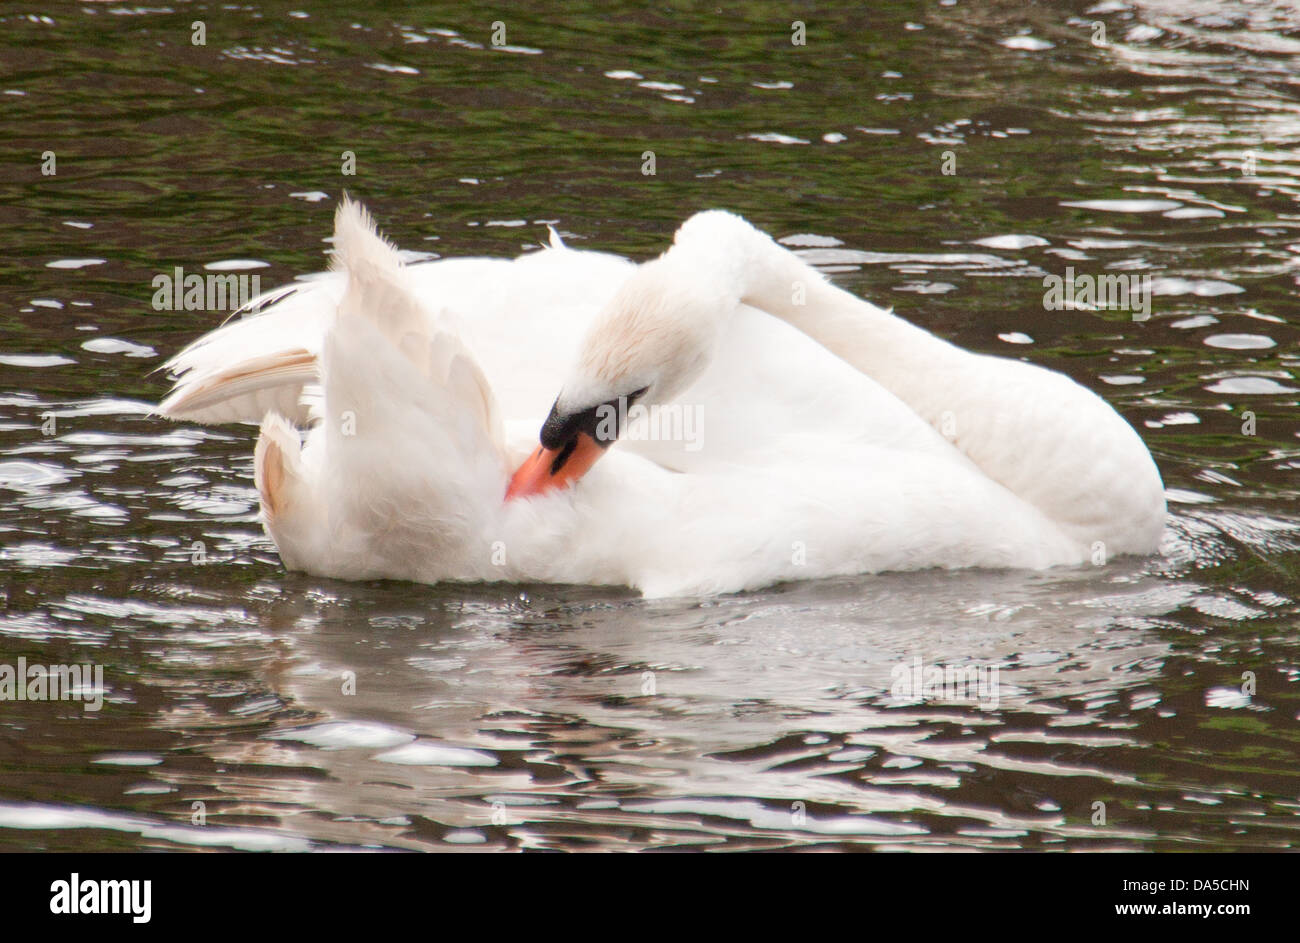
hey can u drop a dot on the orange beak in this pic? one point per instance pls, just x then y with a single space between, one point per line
548 469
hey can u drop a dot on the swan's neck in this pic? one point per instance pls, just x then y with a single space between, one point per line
1048 440
752 267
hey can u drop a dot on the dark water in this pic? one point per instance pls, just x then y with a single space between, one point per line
513 717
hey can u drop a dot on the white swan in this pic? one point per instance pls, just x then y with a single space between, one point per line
831 437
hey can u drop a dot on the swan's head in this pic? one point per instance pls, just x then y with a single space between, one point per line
649 343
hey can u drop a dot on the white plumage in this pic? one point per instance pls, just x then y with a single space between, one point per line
831 437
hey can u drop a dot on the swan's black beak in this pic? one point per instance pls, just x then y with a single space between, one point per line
571 444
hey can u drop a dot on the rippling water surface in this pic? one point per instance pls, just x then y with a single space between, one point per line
1156 137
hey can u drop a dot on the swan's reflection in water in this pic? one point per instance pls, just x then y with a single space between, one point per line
768 719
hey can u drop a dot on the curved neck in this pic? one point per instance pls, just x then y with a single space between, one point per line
1003 414
898 355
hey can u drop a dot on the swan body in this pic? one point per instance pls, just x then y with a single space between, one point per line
830 436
